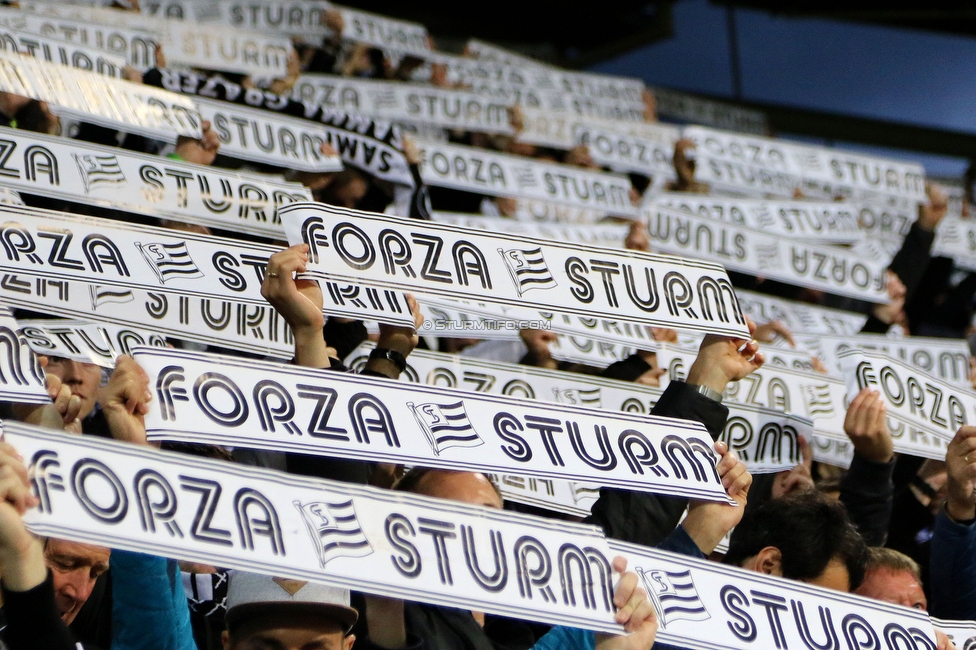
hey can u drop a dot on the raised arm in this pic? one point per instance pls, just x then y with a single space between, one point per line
33 619
149 609
867 489
644 518
952 575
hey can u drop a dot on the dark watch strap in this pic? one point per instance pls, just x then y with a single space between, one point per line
392 356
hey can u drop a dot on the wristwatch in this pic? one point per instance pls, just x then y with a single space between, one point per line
707 392
392 356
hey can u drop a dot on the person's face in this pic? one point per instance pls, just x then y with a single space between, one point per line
82 378
467 487
890 586
684 160
350 194
74 567
325 637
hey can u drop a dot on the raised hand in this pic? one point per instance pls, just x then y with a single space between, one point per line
943 641
299 302
634 611
21 554
961 467
722 359
866 424
638 239
891 311
63 412
767 332
709 521
67 404
125 401
799 478
200 151
399 339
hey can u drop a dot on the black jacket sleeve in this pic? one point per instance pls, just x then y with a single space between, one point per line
642 517
874 325
344 336
868 492
33 621
911 260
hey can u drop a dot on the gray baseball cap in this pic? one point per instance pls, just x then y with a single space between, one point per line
253 595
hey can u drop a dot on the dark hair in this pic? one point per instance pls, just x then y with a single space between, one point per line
329 194
410 481
809 529
33 117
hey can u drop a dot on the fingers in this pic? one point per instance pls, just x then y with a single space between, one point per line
664 334
806 454
278 279
51 382
757 361
798 481
414 307
736 480
643 615
67 405
14 491
750 349
623 595
10 458
129 387
783 331
943 641
961 454
630 614
866 416
72 410
818 365
14 481
855 412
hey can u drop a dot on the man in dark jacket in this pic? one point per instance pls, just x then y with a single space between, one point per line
647 519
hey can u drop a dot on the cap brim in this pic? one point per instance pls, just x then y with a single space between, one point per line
280 612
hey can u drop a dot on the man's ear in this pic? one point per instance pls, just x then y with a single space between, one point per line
225 639
769 561
348 642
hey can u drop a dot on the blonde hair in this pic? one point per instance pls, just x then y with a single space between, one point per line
892 560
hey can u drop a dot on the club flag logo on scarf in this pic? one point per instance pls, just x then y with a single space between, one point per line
334 530
578 396
528 269
674 596
818 399
98 170
101 294
169 261
445 425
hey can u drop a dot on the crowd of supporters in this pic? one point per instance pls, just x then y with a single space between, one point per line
891 527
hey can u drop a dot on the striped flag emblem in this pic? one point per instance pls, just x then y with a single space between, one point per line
101 294
578 397
98 170
673 595
528 269
445 425
169 260
334 530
